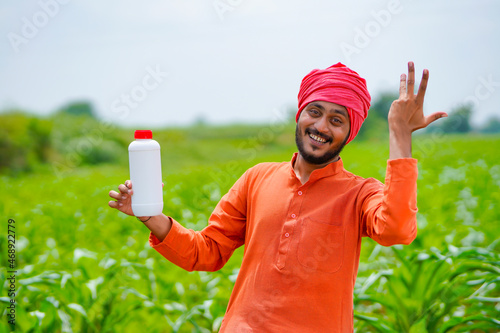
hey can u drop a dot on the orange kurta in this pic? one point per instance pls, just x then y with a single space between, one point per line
302 242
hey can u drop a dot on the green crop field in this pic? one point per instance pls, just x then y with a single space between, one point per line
84 267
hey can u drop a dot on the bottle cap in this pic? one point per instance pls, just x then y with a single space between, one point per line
143 134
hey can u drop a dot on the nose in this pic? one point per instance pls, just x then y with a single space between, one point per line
322 125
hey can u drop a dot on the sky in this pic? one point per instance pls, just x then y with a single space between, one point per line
174 62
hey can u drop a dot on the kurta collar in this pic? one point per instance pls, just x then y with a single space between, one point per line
327 171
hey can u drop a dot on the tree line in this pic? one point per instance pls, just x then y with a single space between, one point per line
27 141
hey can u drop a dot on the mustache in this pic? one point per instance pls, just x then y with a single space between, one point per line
314 131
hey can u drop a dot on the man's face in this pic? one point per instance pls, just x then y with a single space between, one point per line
322 131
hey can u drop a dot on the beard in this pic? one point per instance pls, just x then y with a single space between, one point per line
312 159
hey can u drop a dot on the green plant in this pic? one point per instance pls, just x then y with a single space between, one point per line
433 291
85 267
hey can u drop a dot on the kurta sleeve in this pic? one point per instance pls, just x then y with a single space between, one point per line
388 212
211 248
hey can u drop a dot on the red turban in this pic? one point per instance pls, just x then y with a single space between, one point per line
340 85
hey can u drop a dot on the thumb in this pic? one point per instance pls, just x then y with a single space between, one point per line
433 117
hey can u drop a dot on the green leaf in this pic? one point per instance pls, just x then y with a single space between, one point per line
419 326
457 322
216 323
78 308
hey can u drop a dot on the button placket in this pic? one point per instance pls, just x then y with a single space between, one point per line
286 239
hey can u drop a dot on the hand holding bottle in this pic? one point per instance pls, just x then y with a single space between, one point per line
159 225
123 199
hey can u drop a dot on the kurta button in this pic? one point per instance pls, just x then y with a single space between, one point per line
294 216
287 234
300 192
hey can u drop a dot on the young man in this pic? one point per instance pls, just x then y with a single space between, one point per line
302 221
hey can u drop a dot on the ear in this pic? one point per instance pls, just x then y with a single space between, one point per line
297 116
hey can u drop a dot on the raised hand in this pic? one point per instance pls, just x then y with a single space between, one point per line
407 112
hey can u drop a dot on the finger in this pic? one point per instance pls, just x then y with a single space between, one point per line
114 204
411 79
128 184
116 195
433 117
402 86
422 87
123 189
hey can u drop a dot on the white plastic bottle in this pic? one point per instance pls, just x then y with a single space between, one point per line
145 174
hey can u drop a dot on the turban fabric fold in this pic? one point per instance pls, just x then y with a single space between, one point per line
340 85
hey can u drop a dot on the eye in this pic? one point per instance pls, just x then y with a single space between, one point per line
314 112
337 121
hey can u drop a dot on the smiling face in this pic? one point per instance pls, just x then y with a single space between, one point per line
322 131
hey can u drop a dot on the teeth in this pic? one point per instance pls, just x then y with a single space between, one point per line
317 138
